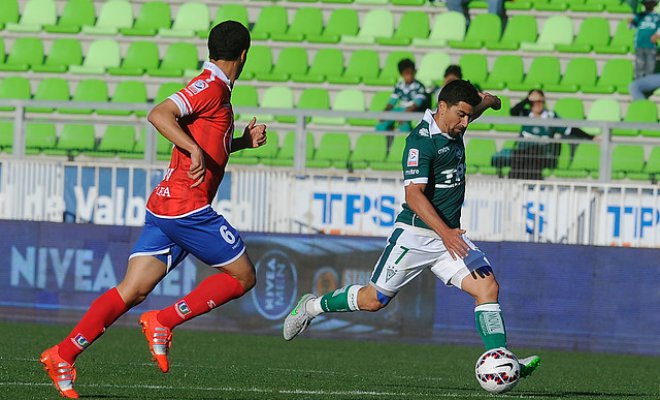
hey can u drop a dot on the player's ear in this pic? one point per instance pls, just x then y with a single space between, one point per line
244 56
442 107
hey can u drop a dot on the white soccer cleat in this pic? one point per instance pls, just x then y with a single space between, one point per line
298 319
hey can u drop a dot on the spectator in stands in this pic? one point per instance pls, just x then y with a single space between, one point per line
643 88
452 73
494 7
646 38
409 95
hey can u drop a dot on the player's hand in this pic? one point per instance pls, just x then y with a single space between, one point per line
454 243
654 38
254 135
491 100
197 171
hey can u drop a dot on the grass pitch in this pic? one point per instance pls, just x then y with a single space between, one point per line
206 365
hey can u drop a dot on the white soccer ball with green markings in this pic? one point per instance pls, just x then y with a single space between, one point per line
497 370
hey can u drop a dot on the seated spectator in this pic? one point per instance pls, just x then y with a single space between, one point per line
643 88
646 38
409 95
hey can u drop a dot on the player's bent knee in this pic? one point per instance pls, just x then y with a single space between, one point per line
376 303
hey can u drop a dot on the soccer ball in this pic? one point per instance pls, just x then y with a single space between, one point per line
497 370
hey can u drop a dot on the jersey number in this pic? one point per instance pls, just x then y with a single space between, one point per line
228 236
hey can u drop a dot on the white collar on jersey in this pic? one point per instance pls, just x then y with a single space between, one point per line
433 127
215 71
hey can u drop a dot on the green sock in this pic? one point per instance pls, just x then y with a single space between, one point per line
490 325
341 300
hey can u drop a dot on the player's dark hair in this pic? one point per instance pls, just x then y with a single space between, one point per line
457 91
406 64
454 70
227 40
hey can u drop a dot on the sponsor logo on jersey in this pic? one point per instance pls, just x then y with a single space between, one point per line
211 304
80 341
196 87
391 271
459 153
182 308
424 132
413 158
443 150
412 171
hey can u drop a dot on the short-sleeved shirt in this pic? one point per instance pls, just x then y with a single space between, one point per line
406 95
207 116
436 159
647 25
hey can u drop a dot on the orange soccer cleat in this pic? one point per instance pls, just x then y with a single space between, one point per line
61 372
159 338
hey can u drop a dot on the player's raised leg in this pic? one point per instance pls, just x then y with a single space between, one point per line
141 277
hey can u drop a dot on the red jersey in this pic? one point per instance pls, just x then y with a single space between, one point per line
207 116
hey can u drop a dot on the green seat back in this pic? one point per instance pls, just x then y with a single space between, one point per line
38 12
64 52
115 14
314 99
370 148
432 67
520 28
349 100
272 19
244 96
623 35
642 110
6 135
343 21
277 97
180 56
586 157
327 62
269 150
77 137
103 53
484 27
580 71
130 92
40 135
154 15
91 90
192 16
363 64
118 138
413 24
307 21
377 23
543 71
260 60
53 89
288 147
141 55
379 100
395 153
474 67
628 158
334 147
594 31
653 164
557 29
26 50
166 90
77 13
506 69
163 146
616 72
292 60
232 12
391 67
604 110
15 87
479 152
448 26
9 12
569 108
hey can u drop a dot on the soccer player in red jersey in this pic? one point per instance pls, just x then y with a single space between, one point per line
199 120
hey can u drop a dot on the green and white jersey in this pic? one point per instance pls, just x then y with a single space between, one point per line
438 160
406 95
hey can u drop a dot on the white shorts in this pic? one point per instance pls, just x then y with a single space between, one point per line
409 252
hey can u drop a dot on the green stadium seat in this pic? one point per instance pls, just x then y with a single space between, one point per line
616 76
102 54
653 164
166 90
333 151
431 64
586 160
364 64
88 90
342 22
140 56
622 41
327 62
543 71
6 136
179 57
478 155
154 15
483 28
377 23
594 31
593 6
74 139
474 68
2 50
551 5
39 137
446 27
603 110
114 15
118 140
232 12
10 13
259 61
378 102
271 20
285 155
191 19
291 61
369 148
579 71
265 153
163 146
506 70
244 96
63 53
519 28
639 111
389 75
50 89
14 88
25 52
346 100
413 25
557 29
504 111
76 14
307 22
277 97
394 156
314 99
569 108
627 159
36 14
128 92
373 2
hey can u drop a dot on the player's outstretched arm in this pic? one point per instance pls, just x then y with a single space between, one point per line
487 101
254 136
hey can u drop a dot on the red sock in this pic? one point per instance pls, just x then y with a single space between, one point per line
212 292
102 313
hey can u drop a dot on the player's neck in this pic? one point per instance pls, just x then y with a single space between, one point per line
229 68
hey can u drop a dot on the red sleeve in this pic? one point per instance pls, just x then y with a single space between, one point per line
196 98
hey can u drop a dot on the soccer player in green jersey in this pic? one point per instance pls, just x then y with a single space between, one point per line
428 233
